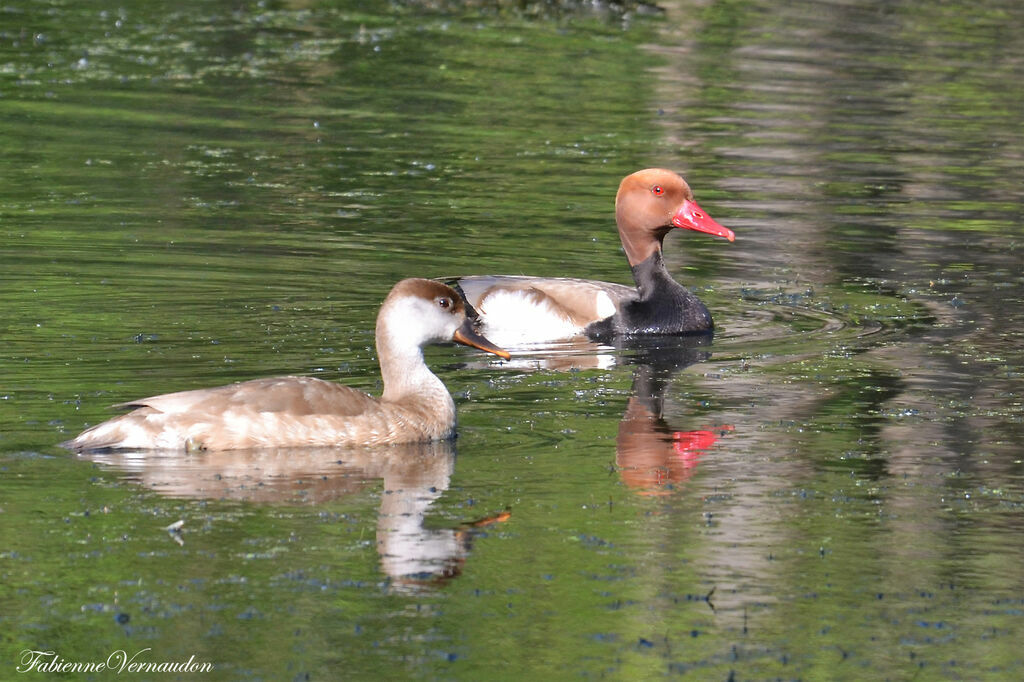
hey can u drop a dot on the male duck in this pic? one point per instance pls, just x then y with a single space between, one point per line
649 204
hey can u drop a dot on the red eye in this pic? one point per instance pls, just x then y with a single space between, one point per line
657 190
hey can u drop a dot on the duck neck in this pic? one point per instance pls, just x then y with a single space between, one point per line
652 278
406 375
663 305
638 243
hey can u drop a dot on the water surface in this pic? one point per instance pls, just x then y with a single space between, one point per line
830 489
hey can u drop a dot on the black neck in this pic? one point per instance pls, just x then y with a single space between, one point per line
664 305
652 278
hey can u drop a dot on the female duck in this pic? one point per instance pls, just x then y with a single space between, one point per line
302 411
649 204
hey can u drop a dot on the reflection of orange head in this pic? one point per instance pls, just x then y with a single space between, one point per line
652 459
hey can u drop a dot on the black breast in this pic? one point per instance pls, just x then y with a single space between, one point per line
662 306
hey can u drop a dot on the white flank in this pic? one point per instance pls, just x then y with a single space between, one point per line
605 306
514 317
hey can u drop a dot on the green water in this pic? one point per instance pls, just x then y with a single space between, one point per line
832 489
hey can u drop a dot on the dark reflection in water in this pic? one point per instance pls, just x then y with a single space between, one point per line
652 458
414 476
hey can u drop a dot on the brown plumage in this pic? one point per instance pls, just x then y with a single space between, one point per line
303 411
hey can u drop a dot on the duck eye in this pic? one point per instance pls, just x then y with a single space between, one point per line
445 303
657 190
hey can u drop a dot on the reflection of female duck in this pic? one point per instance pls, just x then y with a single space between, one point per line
413 556
302 411
649 204
414 474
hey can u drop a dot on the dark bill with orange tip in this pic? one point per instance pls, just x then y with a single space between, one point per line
690 216
468 336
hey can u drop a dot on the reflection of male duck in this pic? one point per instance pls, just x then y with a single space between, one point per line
414 475
651 457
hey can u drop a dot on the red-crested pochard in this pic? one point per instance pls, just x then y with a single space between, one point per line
303 411
649 204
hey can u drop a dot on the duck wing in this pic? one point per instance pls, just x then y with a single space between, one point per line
292 395
247 414
579 301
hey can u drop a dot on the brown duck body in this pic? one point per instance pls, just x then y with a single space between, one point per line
649 204
303 411
272 412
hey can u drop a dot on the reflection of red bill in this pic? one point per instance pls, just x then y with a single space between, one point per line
690 444
654 462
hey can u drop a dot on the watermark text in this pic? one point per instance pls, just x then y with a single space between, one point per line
120 661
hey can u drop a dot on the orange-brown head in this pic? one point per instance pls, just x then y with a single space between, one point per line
649 204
